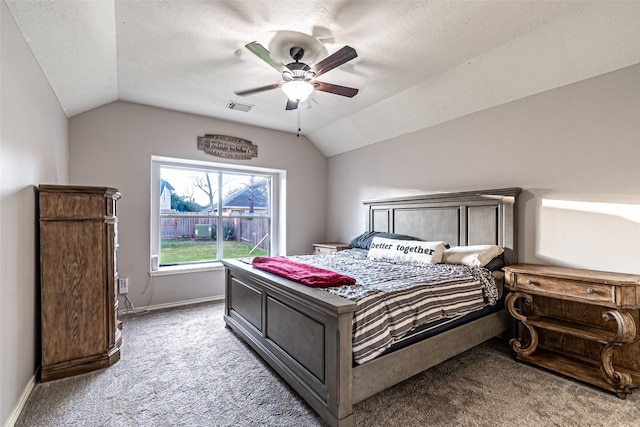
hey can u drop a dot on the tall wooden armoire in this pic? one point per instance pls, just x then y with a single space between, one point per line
78 236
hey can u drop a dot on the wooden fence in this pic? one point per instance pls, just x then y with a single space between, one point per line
183 228
248 230
252 231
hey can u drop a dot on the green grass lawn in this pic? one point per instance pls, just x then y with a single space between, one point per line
188 250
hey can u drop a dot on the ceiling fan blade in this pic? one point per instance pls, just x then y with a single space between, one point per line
291 105
257 89
265 55
335 89
334 60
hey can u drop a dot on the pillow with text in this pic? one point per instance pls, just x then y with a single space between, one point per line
406 251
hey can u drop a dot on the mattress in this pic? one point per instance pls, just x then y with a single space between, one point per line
395 299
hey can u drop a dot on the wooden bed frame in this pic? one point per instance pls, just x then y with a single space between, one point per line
305 333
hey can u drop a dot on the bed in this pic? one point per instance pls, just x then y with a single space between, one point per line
305 334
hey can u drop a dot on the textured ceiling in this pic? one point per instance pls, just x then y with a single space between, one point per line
419 63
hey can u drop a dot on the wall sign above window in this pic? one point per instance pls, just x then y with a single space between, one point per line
229 147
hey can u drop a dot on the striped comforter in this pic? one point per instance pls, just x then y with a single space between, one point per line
393 298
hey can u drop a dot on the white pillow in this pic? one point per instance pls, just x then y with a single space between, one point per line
474 256
406 250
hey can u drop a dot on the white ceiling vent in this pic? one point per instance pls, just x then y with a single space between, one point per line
234 105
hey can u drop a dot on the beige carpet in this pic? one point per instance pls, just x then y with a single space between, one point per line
182 367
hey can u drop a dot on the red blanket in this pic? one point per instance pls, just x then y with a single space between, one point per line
303 273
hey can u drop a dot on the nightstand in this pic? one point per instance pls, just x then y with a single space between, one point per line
324 248
580 323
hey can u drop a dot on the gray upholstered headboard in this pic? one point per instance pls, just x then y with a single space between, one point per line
486 217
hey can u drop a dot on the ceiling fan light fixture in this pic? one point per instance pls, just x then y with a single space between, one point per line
287 75
297 90
298 79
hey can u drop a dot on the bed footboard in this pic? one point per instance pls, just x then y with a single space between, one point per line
388 370
303 333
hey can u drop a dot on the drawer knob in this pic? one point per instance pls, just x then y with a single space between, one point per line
529 282
589 291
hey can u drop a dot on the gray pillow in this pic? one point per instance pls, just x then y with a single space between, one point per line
363 241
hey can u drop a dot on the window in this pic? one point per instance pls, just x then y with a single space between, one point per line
203 212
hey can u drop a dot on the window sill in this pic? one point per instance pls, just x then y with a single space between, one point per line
182 269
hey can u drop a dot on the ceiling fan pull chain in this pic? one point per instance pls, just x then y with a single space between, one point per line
298 134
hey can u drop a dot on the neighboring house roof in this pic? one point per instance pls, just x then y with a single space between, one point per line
240 198
164 184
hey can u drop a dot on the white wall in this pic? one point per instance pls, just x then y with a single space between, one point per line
574 150
112 145
33 150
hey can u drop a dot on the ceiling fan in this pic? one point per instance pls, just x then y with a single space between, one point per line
298 78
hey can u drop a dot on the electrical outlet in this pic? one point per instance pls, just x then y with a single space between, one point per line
123 285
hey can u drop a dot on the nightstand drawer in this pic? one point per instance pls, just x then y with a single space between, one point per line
566 289
325 248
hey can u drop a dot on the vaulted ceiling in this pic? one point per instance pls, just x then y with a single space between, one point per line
419 63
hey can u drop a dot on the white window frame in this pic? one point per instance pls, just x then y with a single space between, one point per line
277 200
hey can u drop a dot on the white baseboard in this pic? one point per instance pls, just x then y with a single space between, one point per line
17 410
171 305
